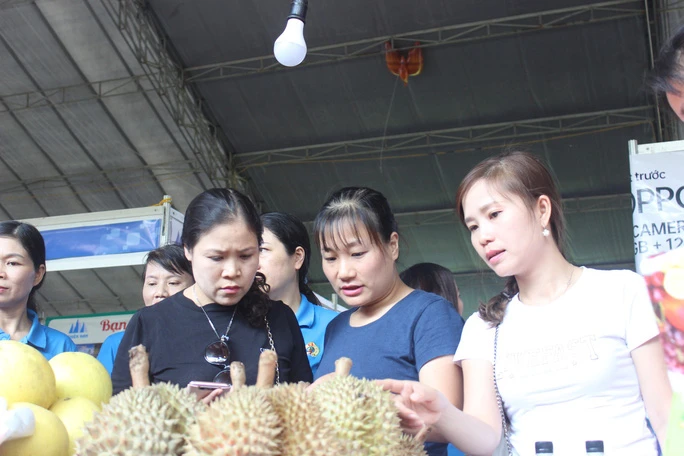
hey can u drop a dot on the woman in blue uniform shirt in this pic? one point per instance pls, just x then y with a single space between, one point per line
22 271
284 260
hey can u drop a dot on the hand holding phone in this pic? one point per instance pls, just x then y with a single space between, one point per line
202 389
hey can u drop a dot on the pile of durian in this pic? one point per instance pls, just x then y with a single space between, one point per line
343 416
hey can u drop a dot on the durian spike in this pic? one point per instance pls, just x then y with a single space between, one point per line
343 366
422 434
139 366
267 367
237 375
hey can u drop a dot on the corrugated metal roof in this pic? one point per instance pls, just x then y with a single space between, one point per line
82 128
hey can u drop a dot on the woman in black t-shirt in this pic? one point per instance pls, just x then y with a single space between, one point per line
226 315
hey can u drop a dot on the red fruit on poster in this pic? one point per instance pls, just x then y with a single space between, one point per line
674 312
656 294
655 279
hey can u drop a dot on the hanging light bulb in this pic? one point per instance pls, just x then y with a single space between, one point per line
290 48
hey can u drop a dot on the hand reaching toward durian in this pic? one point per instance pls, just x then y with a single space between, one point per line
420 406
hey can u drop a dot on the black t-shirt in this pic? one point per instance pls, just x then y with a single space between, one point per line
175 333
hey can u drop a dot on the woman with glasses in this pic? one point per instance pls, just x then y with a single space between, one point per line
166 272
284 260
226 315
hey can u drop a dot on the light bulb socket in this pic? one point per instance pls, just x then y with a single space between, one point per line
298 10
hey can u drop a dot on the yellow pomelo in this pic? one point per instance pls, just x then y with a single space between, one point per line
74 413
49 439
25 375
81 375
673 282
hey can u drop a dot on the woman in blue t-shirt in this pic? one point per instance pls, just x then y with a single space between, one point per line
390 330
22 270
284 260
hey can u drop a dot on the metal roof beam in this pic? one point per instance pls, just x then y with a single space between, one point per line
87 91
146 43
440 36
5 4
401 146
459 33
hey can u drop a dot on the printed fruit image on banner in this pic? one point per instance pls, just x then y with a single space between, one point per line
664 274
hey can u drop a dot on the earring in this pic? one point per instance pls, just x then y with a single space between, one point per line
545 232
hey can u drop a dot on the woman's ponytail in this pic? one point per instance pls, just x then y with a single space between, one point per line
493 311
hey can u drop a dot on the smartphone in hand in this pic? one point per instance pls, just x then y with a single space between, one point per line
202 389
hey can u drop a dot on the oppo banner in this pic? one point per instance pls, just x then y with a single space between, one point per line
657 177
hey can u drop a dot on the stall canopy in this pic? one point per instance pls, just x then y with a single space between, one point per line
98 248
110 104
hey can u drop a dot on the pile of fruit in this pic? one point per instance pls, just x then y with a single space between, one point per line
343 416
62 394
664 274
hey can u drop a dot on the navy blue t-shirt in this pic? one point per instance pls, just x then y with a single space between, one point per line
417 329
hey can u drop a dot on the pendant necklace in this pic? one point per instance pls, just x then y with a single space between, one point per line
225 337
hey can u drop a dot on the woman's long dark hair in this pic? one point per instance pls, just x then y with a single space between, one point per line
218 206
32 241
523 175
668 68
432 278
292 233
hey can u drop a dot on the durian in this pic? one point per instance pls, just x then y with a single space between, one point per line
241 423
146 421
363 415
142 420
305 432
410 446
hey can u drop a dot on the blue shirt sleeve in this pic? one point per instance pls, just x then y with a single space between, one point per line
437 332
108 350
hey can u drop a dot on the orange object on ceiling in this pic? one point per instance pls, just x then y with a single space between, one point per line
404 64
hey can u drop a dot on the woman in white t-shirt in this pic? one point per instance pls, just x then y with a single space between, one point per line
577 357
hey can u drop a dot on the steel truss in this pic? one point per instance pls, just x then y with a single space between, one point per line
441 36
11 3
459 33
397 146
141 35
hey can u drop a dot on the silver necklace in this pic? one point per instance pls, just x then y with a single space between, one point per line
567 287
225 336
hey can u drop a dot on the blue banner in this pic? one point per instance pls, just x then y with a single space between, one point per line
111 239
